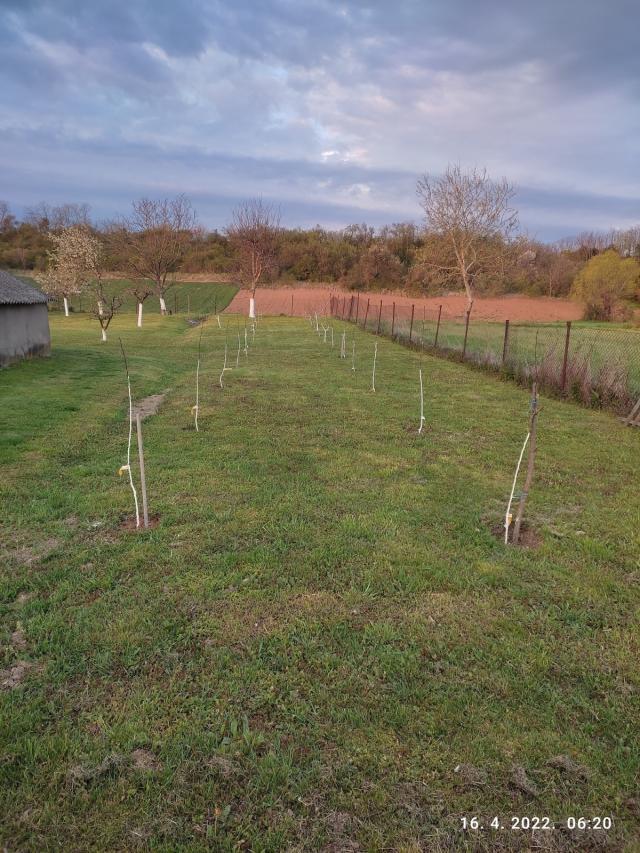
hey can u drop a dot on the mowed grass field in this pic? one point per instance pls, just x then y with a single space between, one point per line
183 297
322 628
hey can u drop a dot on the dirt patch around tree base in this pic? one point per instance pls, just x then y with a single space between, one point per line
529 537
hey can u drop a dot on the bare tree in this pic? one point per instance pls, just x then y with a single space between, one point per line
47 217
472 215
7 218
154 240
254 233
107 305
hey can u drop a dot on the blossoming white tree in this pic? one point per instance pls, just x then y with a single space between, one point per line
73 263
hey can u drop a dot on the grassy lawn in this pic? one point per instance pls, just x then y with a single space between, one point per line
322 627
196 298
601 343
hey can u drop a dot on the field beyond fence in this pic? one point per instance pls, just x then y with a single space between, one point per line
597 365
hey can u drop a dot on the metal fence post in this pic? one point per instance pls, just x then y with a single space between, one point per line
393 319
505 344
435 343
413 308
379 316
357 308
565 360
466 333
366 314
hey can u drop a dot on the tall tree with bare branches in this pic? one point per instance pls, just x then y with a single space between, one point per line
254 233
154 239
472 215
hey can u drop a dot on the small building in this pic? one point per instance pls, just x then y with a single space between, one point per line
24 320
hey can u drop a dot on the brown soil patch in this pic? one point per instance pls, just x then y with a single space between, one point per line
529 537
142 759
129 523
303 301
12 678
149 406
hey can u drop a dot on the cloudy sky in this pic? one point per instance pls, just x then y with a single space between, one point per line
331 109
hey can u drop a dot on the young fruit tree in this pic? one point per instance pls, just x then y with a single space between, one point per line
470 220
141 292
254 234
531 440
106 307
152 241
74 261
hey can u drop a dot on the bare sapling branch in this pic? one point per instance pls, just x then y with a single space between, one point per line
373 372
531 461
224 367
195 409
127 466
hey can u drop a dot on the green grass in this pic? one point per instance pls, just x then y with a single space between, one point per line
322 626
601 343
197 298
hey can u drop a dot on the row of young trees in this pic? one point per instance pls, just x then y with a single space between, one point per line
469 240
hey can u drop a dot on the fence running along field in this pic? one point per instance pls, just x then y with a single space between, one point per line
596 365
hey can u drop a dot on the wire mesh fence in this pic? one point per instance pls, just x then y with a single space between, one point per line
596 365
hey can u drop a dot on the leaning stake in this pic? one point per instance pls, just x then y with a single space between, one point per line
143 479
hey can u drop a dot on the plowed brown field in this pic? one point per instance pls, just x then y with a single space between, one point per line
302 301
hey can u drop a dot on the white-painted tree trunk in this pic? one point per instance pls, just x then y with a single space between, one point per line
100 308
66 306
163 305
421 427
252 308
139 315
104 334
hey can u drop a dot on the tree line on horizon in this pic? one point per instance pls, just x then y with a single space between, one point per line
469 240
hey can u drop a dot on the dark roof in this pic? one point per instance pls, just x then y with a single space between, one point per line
13 291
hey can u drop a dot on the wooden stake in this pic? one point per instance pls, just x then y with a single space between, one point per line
531 461
143 479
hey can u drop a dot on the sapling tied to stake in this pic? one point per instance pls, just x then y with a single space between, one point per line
224 367
531 440
422 419
238 353
343 345
195 409
373 372
353 355
127 467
